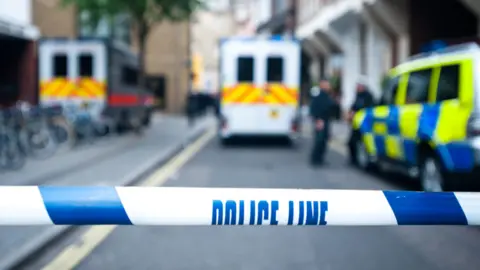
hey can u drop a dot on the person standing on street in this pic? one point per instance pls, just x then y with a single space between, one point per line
363 99
320 111
192 108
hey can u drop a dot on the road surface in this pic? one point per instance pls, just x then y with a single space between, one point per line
275 248
112 161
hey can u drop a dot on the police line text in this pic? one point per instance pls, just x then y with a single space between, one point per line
232 212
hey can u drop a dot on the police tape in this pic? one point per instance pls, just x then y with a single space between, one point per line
232 206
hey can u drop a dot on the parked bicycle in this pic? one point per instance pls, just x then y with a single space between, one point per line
33 132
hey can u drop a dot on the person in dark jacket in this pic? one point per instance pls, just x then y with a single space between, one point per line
192 108
216 104
363 99
320 111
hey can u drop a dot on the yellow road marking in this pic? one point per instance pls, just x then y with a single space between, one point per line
74 254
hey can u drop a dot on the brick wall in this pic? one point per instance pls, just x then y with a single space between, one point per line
52 20
168 55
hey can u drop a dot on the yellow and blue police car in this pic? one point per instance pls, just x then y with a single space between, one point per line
427 124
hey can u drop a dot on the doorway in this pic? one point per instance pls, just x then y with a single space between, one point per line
157 85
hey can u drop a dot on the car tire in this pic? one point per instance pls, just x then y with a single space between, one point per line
431 175
293 143
224 142
362 158
146 121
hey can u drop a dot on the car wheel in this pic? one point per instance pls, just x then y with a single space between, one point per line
431 177
223 142
362 157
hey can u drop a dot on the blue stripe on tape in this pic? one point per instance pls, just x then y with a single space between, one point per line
84 205
418 208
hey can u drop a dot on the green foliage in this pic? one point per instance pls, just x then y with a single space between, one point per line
144 12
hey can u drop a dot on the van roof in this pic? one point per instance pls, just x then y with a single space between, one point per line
114 44
451 53
275 38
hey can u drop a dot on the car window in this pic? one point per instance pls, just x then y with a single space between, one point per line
390 91
448 83
418 85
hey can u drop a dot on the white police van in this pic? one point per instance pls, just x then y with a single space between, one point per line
259 87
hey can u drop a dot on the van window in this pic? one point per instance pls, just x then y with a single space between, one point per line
60 65
85 65
245 66
274 69
448 83
129 76
418 85
390 91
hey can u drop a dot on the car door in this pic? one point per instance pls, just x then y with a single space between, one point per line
382 122
417 101
454 103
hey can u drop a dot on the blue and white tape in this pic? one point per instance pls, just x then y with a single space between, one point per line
232 206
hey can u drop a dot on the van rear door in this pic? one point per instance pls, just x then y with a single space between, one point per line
281 64
90 59
56 75
240 73
73 72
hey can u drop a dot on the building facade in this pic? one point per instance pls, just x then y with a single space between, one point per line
167 64
167 56
364 38
249 14
208 28
342 37
17 40
54 21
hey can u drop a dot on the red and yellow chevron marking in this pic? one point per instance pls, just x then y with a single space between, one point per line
250 94
62 88
281 94
244 93
90 88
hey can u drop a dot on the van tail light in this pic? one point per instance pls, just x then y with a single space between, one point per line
223 123
473 126
295 125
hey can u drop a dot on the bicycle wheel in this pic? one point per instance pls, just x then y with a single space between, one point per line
11 156
40 142
62 132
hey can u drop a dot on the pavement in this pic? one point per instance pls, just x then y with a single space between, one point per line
111 161
263 164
